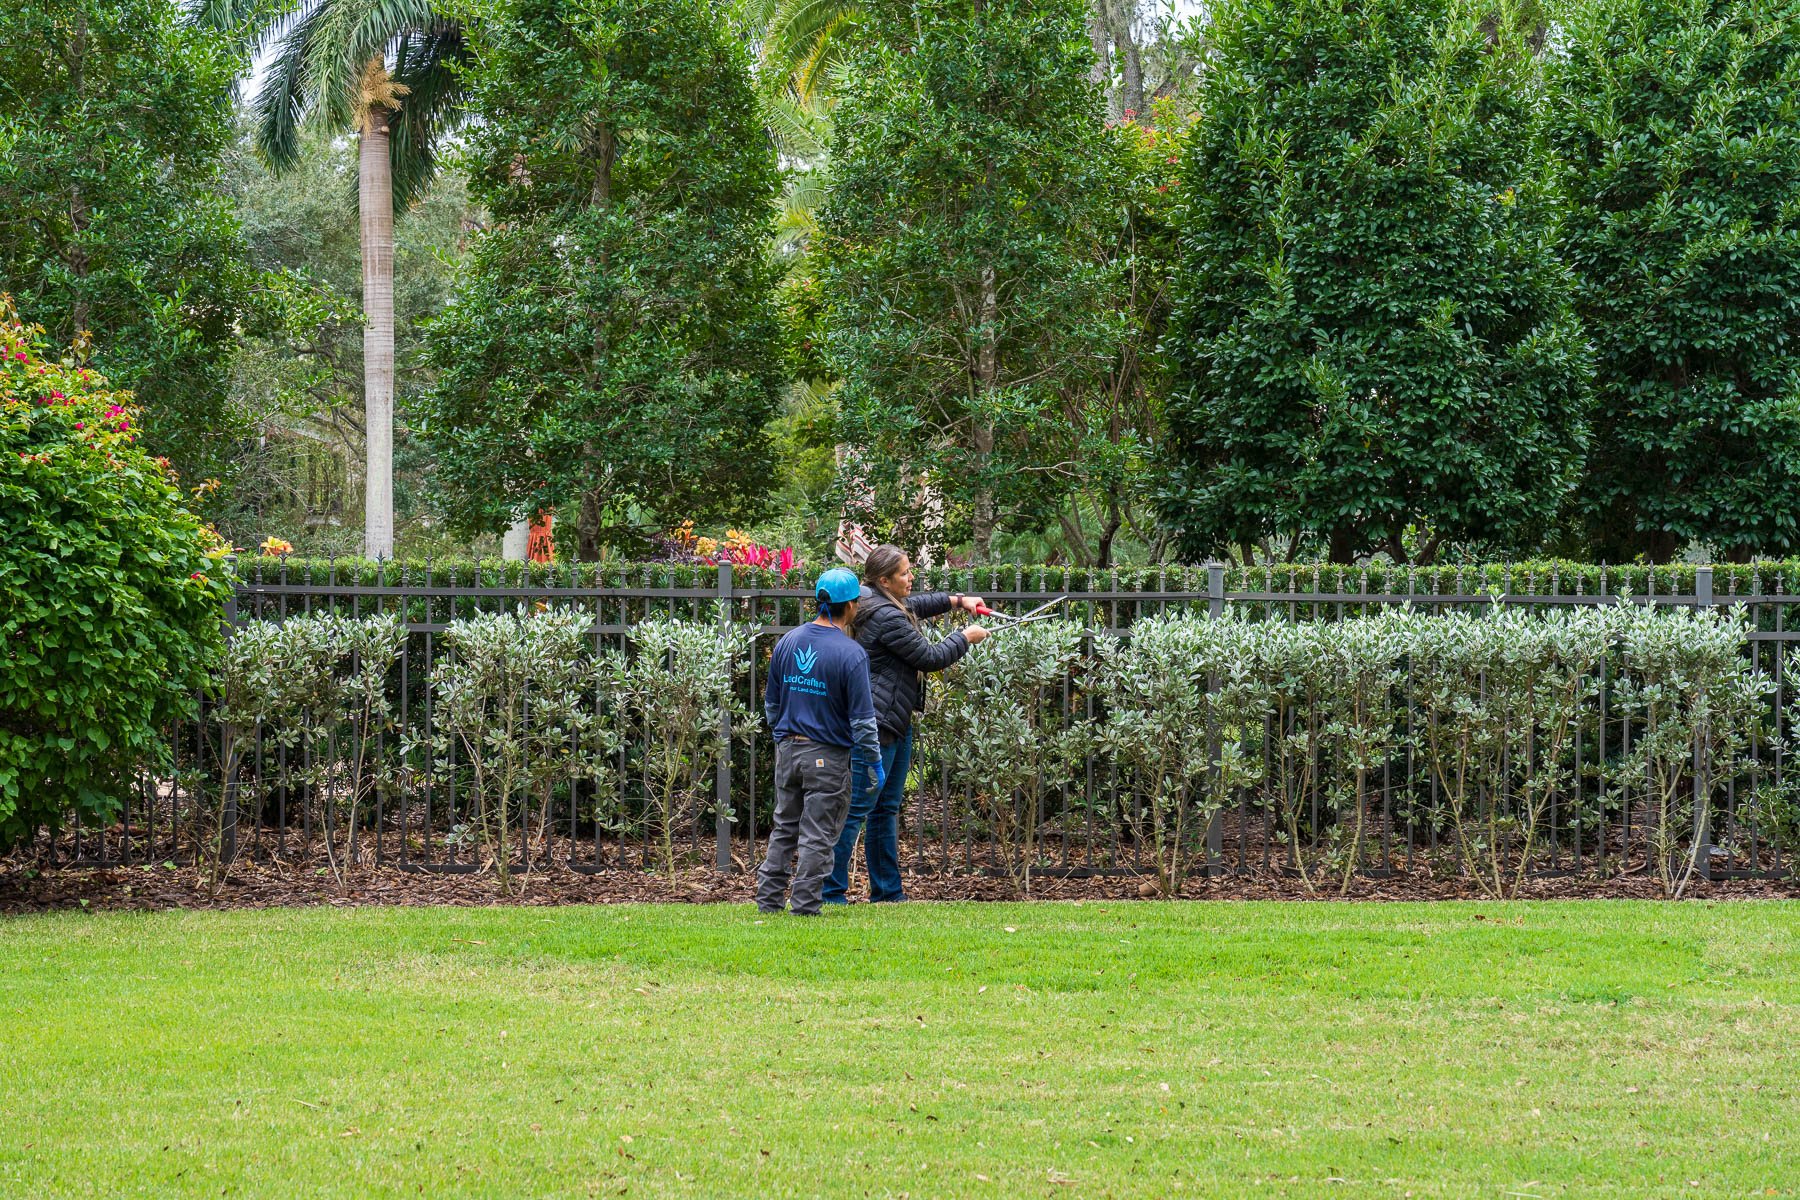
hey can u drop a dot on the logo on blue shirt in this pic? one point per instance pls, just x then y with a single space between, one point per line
805 659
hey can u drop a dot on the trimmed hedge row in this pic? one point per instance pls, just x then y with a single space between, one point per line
1543 577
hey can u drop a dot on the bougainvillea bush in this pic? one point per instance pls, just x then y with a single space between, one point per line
111 591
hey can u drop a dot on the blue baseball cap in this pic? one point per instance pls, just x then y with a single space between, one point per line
839 585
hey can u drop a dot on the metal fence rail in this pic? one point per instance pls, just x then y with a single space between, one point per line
1094 826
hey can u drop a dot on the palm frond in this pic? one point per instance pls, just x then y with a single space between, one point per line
333 74
800 32
379 23
828 55
797 216
352 34
800 129
243 22
426 63
286 94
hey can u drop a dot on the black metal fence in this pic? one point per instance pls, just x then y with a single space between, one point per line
1090 827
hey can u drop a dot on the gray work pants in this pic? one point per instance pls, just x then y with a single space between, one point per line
812 798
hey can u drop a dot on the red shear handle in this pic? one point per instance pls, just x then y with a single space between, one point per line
982 610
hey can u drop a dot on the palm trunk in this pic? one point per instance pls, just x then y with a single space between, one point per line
375 200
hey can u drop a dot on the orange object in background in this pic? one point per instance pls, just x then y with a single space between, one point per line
540 546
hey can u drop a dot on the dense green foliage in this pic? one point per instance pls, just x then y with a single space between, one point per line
1678 123
1373 335
1385 282
114 118
971 305
111 592
613 341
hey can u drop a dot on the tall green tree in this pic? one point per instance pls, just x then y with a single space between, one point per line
613 346
113 120
388 71
969 294
1678 122
1373 338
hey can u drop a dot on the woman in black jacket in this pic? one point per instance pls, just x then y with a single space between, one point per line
900 656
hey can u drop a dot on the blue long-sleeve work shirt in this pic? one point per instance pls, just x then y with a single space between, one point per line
819 689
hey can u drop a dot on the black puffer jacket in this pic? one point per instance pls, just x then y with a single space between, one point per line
900 655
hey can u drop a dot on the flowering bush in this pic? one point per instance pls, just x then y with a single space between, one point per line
114 591
739 549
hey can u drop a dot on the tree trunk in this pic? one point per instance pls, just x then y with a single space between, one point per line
1342 547
1115 518
1074 536
605 148
587 528
375 201
1123 21
1101 72
77 257
987 374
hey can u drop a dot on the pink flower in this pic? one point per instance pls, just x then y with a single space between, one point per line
81 424
786 562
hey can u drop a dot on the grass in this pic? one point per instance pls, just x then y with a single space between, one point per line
1523 1050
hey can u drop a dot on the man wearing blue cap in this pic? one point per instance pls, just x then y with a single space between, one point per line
817 703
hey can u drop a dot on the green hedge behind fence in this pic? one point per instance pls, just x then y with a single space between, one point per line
1547 577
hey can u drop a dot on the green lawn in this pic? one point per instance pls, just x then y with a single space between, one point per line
1523 1050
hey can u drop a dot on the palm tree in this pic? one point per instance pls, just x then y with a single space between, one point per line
802 41
385 69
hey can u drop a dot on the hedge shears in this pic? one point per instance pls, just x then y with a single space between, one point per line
1043 612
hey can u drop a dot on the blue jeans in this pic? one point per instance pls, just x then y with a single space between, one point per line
881 813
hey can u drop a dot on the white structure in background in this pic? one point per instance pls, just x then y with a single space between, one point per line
515 545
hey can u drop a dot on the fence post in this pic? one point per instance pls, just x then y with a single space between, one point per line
1702 841
1215 827
722 798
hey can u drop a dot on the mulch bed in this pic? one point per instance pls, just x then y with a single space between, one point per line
28 888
